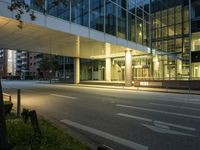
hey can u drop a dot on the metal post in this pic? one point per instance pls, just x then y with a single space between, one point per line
64 69
18 102
10 99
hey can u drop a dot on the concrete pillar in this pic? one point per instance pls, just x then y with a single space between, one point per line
76 70
108 62
128 68
108 69
77 62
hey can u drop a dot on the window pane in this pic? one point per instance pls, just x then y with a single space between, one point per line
131 27
97 15
171 30
110 18
60 10
146 33
178 29
122 3
178 14
139 31
121 23
80 12
164 18
38 5
171 17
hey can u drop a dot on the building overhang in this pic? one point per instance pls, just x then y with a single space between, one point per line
51 35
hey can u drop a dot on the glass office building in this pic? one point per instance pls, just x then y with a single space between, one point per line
165 26
126 19
170 29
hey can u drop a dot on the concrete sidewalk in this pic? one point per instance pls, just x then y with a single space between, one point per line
179 91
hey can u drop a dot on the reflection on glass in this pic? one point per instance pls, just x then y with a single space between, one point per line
118 69
92 70
131 27
110 18
79 12
121 23
60 10
97 14
38 5
139 32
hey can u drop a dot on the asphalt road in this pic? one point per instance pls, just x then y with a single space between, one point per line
121 119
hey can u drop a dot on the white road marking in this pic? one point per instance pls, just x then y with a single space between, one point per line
175 125
110 148
159 111
166 131
161 126
177 101
64 96
172 106
188 99
105 135
134 117
157 122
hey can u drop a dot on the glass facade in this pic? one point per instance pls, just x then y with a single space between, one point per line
92 69
60 10
195 41
80 12
162 25
97 15
170 40
129 20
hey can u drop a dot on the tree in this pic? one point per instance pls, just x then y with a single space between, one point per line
3 131
21 7
48 66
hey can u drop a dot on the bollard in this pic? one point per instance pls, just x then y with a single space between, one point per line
18 102
10 99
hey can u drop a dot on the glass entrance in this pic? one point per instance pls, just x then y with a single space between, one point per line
118 69
141 73
142 67
92 70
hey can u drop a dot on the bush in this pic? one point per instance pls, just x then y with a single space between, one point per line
29 77
22 137
8 106
13 77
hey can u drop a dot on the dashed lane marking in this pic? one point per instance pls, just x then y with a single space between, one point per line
105 135
157 122
172 106
63 96
159 111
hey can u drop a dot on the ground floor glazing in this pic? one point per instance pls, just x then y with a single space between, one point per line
144 67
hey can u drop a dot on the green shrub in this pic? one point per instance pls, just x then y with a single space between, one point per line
8 106
21 137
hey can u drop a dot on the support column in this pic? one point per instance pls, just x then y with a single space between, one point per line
128 68
108 62
77 62
76 70
108 69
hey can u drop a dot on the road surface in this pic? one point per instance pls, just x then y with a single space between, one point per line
120 119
